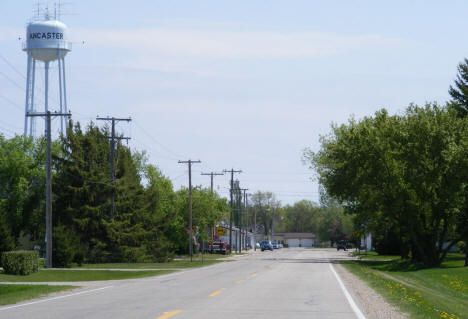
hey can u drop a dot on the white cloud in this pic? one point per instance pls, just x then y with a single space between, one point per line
223 44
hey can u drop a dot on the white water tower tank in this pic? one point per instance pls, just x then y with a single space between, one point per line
45 39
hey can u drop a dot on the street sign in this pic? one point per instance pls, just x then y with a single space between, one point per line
221 231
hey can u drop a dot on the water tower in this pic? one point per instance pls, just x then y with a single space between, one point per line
46 42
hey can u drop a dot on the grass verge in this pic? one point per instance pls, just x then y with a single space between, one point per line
423 293
44 275
175 264
10 294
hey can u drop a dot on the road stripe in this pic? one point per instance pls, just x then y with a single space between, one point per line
353 305
169 314
240 281
55 298
254 275
217 292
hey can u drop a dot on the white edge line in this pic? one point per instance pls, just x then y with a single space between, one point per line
55 298
353 305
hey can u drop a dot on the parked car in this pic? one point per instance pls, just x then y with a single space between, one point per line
275 245
341 244
266 245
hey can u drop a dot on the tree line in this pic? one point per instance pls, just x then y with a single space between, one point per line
151 218
404 177
150 222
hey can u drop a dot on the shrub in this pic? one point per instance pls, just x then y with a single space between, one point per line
20 262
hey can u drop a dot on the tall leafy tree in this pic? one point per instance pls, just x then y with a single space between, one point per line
408 169
22 180
264 205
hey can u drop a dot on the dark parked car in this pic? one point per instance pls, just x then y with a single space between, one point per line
341 244
266 245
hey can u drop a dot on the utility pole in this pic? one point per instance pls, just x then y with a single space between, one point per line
241 211
113 138
232 171
190 162
246 214
48 130
255 229
212 174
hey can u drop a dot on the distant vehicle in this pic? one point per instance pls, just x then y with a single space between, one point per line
218 247
280 245
341 244
275 246
266 245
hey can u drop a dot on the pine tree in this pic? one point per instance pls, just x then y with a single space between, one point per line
459 93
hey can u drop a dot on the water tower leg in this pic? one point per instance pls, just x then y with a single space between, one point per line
60 91
46 89
65 105
32 120
28 89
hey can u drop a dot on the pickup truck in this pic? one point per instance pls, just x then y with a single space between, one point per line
218 247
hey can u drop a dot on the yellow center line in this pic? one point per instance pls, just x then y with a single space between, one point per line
254 275
240 281
169 314
217 292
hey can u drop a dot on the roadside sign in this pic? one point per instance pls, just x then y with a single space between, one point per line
221 231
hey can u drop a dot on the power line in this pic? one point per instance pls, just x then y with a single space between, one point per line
12 66
157 142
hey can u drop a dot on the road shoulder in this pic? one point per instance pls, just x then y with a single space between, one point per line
369 301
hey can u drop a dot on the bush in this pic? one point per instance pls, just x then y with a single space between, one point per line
20 262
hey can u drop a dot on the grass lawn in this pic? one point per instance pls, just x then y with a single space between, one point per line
423 293
372 255
10 294
80 275
208 259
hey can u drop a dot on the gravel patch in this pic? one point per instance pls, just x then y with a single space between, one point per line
370 302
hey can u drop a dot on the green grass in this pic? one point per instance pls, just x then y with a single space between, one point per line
10 294
424 293
44 275
175 264
372 255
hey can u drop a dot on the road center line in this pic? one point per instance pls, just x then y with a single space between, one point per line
353 305
217 292
240 281
254 275
55 298
169 314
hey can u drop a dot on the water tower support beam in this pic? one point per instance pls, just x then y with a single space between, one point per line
28 88
60 89
64 91
32 121
46 89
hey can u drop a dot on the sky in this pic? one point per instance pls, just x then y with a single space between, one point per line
244 84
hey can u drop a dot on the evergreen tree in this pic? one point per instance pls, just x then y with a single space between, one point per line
459 93
82 193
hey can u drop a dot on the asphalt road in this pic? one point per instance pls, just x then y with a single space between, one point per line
286 283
